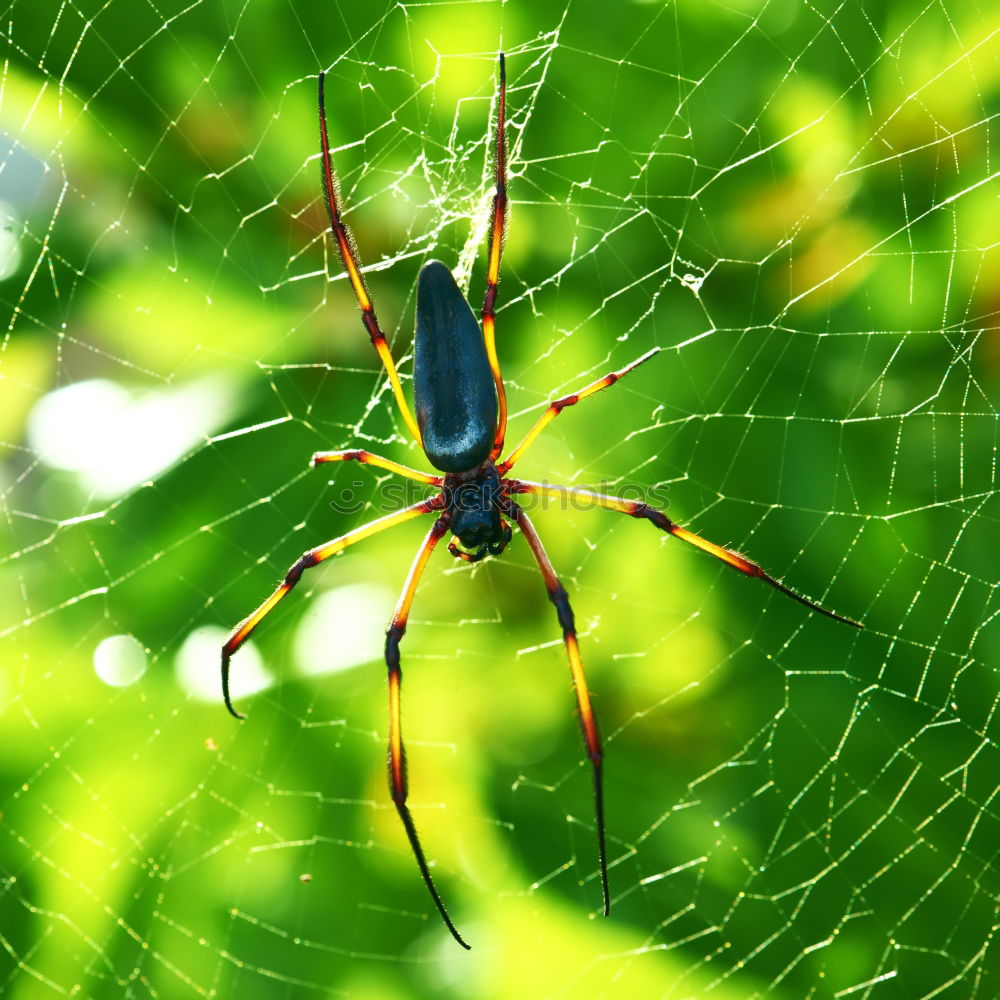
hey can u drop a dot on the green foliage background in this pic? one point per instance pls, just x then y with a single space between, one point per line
798 203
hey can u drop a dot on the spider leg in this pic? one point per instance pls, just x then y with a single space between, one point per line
559 405
588 720
493 268
348 256
367 458
242 632
398 784
636 509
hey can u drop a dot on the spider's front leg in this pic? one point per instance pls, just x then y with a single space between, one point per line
398 784
588 719
307 560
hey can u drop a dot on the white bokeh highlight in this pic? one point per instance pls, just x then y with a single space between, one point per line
114 439
343 628
197 667
120 660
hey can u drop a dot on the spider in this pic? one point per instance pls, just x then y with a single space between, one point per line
461 421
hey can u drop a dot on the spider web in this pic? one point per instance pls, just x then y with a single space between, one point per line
797 203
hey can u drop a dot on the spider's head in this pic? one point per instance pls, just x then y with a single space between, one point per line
476 528
475 512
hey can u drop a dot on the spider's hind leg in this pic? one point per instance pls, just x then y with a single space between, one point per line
349 258
499 214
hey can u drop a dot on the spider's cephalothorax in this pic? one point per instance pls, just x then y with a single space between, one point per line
474 505
461 424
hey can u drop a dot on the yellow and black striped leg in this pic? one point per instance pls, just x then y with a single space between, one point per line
367 458
588 720
398 784
348 256
493 268
243 631
555 408
641 510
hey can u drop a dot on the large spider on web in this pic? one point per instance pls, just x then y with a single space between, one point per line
461 421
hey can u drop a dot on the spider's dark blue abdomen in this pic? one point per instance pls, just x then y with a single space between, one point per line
453 387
